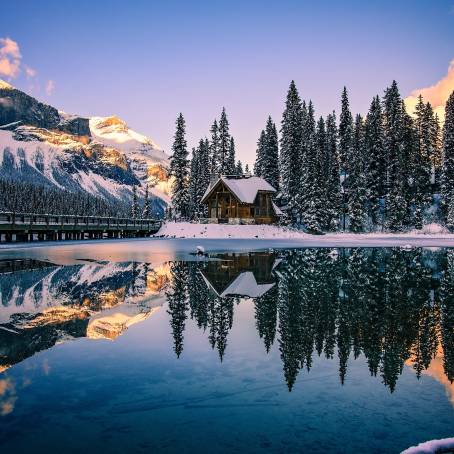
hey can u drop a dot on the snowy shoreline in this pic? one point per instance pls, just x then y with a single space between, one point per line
188 230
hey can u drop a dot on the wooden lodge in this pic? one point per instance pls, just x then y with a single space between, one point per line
241 200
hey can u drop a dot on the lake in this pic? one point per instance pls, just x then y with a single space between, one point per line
141 346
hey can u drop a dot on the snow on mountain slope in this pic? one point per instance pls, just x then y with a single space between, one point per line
147 159
99 155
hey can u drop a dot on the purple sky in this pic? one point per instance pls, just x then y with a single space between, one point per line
147 61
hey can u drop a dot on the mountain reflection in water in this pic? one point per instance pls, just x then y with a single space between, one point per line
393 306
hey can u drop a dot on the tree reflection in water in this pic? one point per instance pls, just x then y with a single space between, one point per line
391 305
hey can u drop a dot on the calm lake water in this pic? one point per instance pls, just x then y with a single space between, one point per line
110 347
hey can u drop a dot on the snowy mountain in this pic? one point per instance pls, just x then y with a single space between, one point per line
99 155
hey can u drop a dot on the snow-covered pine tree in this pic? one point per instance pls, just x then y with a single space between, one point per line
224 143
345 132
396 208
409 150
179 170
239 168
134 204
422 165
194 182
375 160
356 182
214 149
333 188
204 160
437 158
231 169
310 198
246 169
448 163
291 136
260 154
199 179
146 204
271 163
321 162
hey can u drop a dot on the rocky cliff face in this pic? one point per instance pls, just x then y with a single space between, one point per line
17 106
98 155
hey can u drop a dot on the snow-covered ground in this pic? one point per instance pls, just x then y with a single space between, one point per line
225 231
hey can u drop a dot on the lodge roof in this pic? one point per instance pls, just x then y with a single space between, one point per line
245 189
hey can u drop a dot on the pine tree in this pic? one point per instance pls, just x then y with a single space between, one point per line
224 144
146 204
375 159
199 179
260 155
356 180
179 170
239 168
332 177
134 205
291 136
214 149
422 165
246 169
231 169
271 163
194 182
448 162
310 202
409 151
396 186
345 132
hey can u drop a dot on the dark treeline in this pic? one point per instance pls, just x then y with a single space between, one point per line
384 171
390 305
390 170
24 197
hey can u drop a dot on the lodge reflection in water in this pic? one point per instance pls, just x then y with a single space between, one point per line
393 306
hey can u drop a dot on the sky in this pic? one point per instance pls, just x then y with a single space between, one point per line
146 61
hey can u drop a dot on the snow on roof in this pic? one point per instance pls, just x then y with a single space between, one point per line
245 189
244 284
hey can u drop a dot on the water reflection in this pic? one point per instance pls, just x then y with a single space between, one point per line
43 304
393 306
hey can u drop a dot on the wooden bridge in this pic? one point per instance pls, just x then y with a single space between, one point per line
40 227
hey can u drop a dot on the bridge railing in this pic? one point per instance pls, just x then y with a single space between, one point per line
51 220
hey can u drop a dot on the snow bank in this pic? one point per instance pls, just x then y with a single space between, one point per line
432 447
225 231
193 230
431 229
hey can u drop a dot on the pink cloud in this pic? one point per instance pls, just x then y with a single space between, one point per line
10 58
50 87
29 72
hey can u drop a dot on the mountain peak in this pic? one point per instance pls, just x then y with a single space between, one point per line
5 85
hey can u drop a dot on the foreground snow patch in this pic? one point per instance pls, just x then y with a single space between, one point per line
432 447
190 230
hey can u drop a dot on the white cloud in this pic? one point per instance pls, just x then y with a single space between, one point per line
436 94
10 58
50 87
